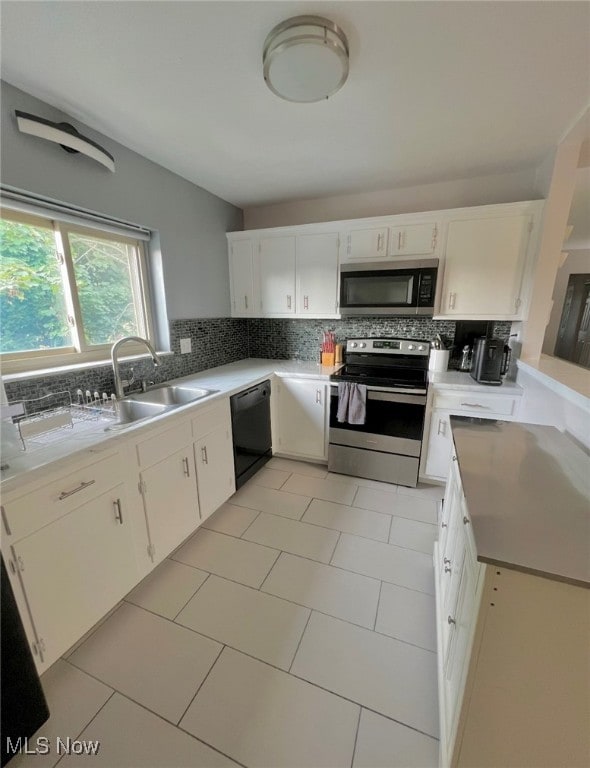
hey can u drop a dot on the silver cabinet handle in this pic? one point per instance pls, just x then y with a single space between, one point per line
65 494
447 569
442 427
5 521
318 396
451 620
306 302
452 299
118 510
204 458
245 301
380 241
446 560
399 240
187 471
444 525
288 302
475 405
466 521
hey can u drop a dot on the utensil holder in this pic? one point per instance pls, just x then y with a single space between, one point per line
328 358
439 360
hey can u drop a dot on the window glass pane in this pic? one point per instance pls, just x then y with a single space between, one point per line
32 308
106 276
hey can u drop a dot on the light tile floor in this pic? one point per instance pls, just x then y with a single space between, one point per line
294 629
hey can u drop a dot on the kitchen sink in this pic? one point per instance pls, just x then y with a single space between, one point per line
147 405
171 395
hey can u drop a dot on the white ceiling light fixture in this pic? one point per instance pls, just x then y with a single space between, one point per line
65 135
305 59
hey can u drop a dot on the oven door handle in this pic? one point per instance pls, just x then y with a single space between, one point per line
389 396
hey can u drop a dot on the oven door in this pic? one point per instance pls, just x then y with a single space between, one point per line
394 422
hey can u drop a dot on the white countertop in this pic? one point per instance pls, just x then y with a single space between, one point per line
528 496
463 381
91 438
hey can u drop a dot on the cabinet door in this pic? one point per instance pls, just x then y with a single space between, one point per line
214 460
74 570
302 418
317 274
170 499
277 275
484 264
440 444
366 244
413 239
241 266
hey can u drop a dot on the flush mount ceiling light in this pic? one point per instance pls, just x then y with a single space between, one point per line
65 135
305 59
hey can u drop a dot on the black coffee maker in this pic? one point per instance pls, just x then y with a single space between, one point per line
490 360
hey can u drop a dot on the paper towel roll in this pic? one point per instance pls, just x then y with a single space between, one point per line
439 360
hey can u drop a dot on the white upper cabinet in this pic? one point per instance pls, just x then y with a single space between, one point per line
366 244
277 275
242 270
484 264
413 239
317 274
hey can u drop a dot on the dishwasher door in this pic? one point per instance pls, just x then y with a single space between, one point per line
250 417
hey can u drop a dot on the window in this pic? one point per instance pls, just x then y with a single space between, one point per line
67 292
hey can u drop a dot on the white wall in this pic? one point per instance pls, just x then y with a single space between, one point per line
481 190
191 222
576 262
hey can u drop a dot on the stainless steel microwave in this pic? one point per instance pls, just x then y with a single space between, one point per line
388 288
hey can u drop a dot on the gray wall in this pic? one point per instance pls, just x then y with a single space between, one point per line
191 221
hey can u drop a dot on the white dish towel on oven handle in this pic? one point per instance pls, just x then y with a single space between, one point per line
352 403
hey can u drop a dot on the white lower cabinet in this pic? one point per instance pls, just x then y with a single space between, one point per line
301 411
214 458
74 570
512 656
170 500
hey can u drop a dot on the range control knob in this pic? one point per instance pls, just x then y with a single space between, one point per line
362 345
353 344
421 348
410 346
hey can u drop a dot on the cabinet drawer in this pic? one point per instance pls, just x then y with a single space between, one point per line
210 418
473 402
31 512
163 444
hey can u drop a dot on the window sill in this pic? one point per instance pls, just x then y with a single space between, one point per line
51 371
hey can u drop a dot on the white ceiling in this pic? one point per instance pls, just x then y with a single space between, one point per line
437 90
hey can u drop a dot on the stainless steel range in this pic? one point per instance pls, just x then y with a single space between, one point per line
387 446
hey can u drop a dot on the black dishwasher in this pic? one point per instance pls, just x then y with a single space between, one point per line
250 420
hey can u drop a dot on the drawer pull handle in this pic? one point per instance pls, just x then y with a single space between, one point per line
446 561
444 525
442 427
447 569
204 458
118 510
475 405
466 521
306 302
288 302
65 494
187 472
451 620
245 301
5 521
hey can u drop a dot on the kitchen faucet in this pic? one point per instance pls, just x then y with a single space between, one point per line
119 391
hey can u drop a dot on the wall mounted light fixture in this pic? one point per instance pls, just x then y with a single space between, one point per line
305 59
65 135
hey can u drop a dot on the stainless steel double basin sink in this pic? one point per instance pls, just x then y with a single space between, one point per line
146 405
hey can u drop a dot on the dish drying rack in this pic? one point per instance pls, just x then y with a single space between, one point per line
45 419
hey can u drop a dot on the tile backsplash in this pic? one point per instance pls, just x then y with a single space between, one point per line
217 341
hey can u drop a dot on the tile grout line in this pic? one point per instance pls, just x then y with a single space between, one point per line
390 528
259 511
299 643
356 735
96 714
335 547
377 611
268 574
190 598
223 646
